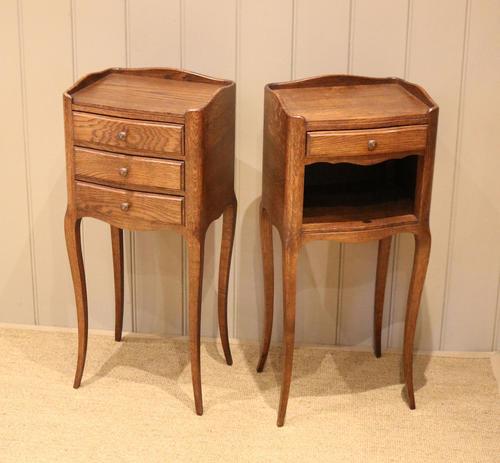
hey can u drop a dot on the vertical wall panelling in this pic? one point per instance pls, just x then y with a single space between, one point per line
48 65
435 62
264 55
321 46
471 298
154 39
16 290
451 48
154 33
378 48
210 48
321 37
100 43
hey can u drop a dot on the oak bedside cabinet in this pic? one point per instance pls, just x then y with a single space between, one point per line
150 149
350 159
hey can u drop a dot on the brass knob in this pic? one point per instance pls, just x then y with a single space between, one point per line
125 207
372 144
122 135
123 171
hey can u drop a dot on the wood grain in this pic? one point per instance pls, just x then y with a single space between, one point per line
151 94
129 172
226 251
350 102
266 243
384 248
202 193
337 200
357 142
146 211
196 246
118 273
141 138
420 262
72 228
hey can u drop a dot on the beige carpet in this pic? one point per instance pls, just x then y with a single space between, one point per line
135 405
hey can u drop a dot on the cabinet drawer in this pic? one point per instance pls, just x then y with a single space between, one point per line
128 209
127 136
344 143
133 172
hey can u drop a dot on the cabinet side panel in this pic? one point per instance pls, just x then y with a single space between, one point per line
209 47
274 161
218 163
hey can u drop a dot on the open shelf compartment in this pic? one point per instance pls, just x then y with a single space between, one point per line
351 196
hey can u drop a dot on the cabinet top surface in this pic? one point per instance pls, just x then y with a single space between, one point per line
364 105
149 93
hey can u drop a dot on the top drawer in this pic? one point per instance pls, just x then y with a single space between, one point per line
127 136
345 143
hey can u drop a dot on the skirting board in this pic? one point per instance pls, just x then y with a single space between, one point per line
495 356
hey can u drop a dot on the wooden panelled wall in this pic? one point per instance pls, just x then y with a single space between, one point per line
451 47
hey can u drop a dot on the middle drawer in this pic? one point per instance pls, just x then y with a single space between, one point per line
126 171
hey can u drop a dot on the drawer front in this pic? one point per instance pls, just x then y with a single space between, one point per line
345 143
128 209
127 171
127 136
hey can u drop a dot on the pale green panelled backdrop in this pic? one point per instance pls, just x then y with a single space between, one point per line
451 47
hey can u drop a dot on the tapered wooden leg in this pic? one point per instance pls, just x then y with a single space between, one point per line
74 247
421 259
195 258
117 246
266 243
384 247
290 253
228 226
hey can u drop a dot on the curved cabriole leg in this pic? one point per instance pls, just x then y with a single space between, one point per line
228 226
266 243
384 247
195 263
290 254
74 247
420 261
117 246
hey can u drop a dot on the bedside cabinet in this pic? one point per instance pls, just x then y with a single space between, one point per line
150 149
350 159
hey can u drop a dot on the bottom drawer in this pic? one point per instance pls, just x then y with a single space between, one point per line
128 209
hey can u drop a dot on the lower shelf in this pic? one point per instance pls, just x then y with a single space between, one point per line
346 218
346 197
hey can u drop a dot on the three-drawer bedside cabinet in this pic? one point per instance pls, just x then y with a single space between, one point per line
150 149
350 159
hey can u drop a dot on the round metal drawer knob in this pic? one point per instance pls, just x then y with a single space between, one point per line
125 207
123 171
122 135
372 144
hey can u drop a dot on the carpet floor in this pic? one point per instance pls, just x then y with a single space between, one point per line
135 405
